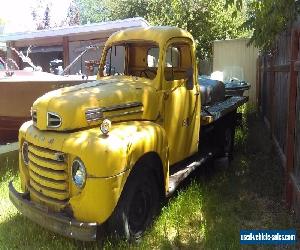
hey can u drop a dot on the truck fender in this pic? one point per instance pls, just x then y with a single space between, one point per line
152 147
127 144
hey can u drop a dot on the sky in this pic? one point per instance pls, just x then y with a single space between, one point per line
17 13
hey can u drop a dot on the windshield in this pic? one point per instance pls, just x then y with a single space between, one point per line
138 58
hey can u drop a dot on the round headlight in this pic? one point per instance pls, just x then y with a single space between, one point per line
25 153
78 173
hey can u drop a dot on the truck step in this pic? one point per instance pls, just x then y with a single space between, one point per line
181 171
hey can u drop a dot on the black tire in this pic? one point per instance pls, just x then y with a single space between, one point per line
138 205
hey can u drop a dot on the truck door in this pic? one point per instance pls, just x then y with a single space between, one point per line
181 105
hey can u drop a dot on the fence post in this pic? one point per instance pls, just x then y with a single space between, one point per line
272 93
258 82
291 119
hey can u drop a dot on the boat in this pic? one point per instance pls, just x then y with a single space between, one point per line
236 87
18 90
232 87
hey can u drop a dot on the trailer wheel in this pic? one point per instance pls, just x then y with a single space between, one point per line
138 204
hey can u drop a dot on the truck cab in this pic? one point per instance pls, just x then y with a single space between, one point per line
164 60
105 154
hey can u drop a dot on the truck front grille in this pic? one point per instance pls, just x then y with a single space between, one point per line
48 176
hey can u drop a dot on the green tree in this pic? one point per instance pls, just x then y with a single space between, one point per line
267 19
40 12
206 20
73 15
92 11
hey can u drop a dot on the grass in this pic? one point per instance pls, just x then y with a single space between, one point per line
207 212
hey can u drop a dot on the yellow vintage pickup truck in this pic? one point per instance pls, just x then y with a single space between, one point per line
105 154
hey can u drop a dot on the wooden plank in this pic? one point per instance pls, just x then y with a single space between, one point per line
291 118
267 122
279 68
258 81
296 170
93 36
271 93
66 51
295 196
45 41
276 144
220 109
280 152
297 66
180 171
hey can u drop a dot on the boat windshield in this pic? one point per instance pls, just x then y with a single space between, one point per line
136 58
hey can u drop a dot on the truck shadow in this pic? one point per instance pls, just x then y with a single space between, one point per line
18 232
209 208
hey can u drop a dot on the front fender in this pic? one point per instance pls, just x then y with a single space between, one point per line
109 155
109 160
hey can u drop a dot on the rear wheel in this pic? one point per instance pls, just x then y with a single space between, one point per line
138 204
228 142
225 136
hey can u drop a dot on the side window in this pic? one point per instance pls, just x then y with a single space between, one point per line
178 62
172 57
153 57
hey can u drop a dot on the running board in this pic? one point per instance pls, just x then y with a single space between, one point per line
184 171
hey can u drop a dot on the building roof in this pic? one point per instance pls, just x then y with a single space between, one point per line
158 34
75 30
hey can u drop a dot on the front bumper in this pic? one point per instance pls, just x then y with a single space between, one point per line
55 222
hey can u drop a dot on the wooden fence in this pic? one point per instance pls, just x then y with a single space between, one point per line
278 82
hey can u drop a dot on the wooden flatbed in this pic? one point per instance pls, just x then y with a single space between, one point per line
210 114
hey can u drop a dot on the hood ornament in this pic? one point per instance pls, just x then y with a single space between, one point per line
105 126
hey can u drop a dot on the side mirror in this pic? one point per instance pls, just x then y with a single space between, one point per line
190 82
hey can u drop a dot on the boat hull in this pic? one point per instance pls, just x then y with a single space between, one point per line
9 127
17 95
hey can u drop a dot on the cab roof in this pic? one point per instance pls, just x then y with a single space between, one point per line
158 34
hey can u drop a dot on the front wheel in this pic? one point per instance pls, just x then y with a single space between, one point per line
138 205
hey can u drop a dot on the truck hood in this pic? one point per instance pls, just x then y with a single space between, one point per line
118 98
